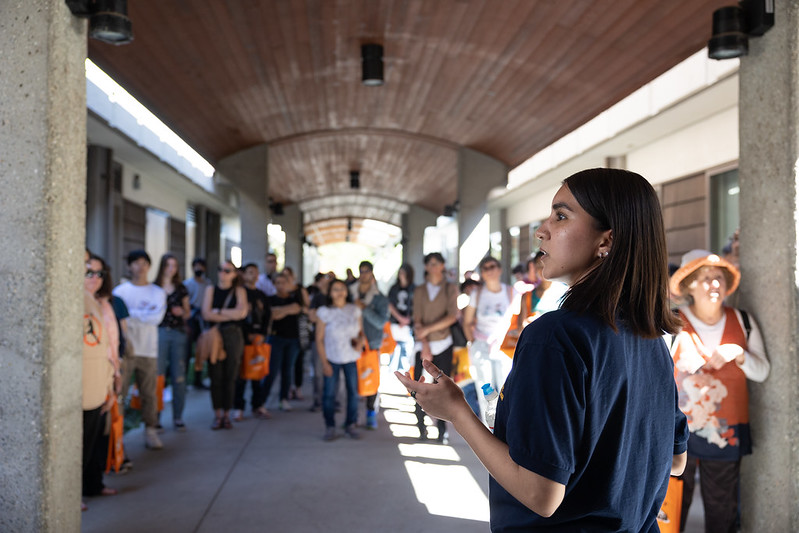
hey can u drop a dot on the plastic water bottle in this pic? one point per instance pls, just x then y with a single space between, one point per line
491 405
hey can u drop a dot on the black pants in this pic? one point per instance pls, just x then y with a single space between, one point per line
93 425
444 362
224 373
718 482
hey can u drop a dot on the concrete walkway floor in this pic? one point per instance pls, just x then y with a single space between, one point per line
279 475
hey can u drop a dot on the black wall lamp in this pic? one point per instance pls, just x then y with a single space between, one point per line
451 209
372 65
355 179
275 207
733 25
108 19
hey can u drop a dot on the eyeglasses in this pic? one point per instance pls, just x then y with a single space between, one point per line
490 266
226 270
94 274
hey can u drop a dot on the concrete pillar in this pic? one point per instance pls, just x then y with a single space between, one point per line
291 222
248 170
477 175
769 151
414 223
42 220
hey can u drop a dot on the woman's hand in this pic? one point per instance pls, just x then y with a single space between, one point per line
327 369
177 310
723 355
442 399
427 355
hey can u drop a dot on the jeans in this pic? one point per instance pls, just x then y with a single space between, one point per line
256 385
171 355
284 354
400 359
330 389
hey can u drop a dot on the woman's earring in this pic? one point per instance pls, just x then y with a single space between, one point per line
603 255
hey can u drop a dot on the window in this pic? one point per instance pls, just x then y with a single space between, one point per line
725 215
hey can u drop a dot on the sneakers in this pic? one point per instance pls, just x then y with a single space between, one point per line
285 405
180 426
371 419
238 415
352 432
151 440
159 428
127 466
330 434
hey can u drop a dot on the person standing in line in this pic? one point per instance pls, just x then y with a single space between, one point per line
196 288
100 370
256 329
717 351
225 306
340 340
266 280
588 426
146 304
486 320
435 310
284 338
374 309
318 299
304 325
400 305
172 334
545 297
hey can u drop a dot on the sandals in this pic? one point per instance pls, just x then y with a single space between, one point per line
262 414
217 424
226 423
108 491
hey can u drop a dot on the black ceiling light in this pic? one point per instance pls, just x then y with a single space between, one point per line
275 207
355 179
108 19
733 25
451 209
372 65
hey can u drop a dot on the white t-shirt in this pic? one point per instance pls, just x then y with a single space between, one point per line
147 307
341 326
493 313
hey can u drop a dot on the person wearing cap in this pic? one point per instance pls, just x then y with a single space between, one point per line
146 304
719 348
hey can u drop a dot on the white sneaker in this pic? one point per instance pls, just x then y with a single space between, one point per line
151 439
285 405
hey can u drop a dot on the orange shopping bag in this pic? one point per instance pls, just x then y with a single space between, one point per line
460 364
368 373
669 515
135 397
255 363
116 452
389 344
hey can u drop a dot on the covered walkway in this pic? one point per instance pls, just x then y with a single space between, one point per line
279 475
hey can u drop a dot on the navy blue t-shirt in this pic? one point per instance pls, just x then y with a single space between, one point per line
596 411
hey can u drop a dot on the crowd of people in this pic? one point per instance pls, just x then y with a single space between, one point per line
148 333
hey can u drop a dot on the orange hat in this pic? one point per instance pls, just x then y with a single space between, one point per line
696 259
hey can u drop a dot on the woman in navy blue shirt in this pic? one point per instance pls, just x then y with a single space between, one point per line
587 426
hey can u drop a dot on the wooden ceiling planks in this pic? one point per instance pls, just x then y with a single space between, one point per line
506 78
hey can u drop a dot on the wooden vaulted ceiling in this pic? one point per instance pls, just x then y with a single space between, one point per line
503 77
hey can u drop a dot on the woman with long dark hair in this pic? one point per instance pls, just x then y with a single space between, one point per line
225 306
172 334
587 427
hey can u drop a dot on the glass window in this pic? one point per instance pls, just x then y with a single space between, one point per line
725 216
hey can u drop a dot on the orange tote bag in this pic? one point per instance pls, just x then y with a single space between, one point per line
669 515
368 373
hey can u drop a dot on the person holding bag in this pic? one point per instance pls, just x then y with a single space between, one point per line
435 310
224 306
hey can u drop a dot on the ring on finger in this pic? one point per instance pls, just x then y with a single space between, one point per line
413 394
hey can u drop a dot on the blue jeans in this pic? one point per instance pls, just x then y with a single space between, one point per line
329 394
284 354
171 354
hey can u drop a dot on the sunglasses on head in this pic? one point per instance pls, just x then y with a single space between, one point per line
94 274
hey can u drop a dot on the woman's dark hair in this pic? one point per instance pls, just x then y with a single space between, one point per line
409 274
631 283
176 279
486 260
236 276
434 255
329 300
106 287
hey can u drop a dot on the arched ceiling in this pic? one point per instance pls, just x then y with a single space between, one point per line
503 77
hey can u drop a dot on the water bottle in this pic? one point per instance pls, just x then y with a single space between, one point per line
491 405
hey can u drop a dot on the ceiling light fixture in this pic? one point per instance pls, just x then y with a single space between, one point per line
372 65
275 207
108 19
355 179
733 25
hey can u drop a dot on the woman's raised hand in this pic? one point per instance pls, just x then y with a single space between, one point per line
442 398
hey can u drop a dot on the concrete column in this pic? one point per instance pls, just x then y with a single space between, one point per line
414 223
42 220
769 151
248 170
477 175
291 222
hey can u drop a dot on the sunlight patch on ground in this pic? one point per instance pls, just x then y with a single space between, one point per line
399 417
448 490
400 403
404 431
429 451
